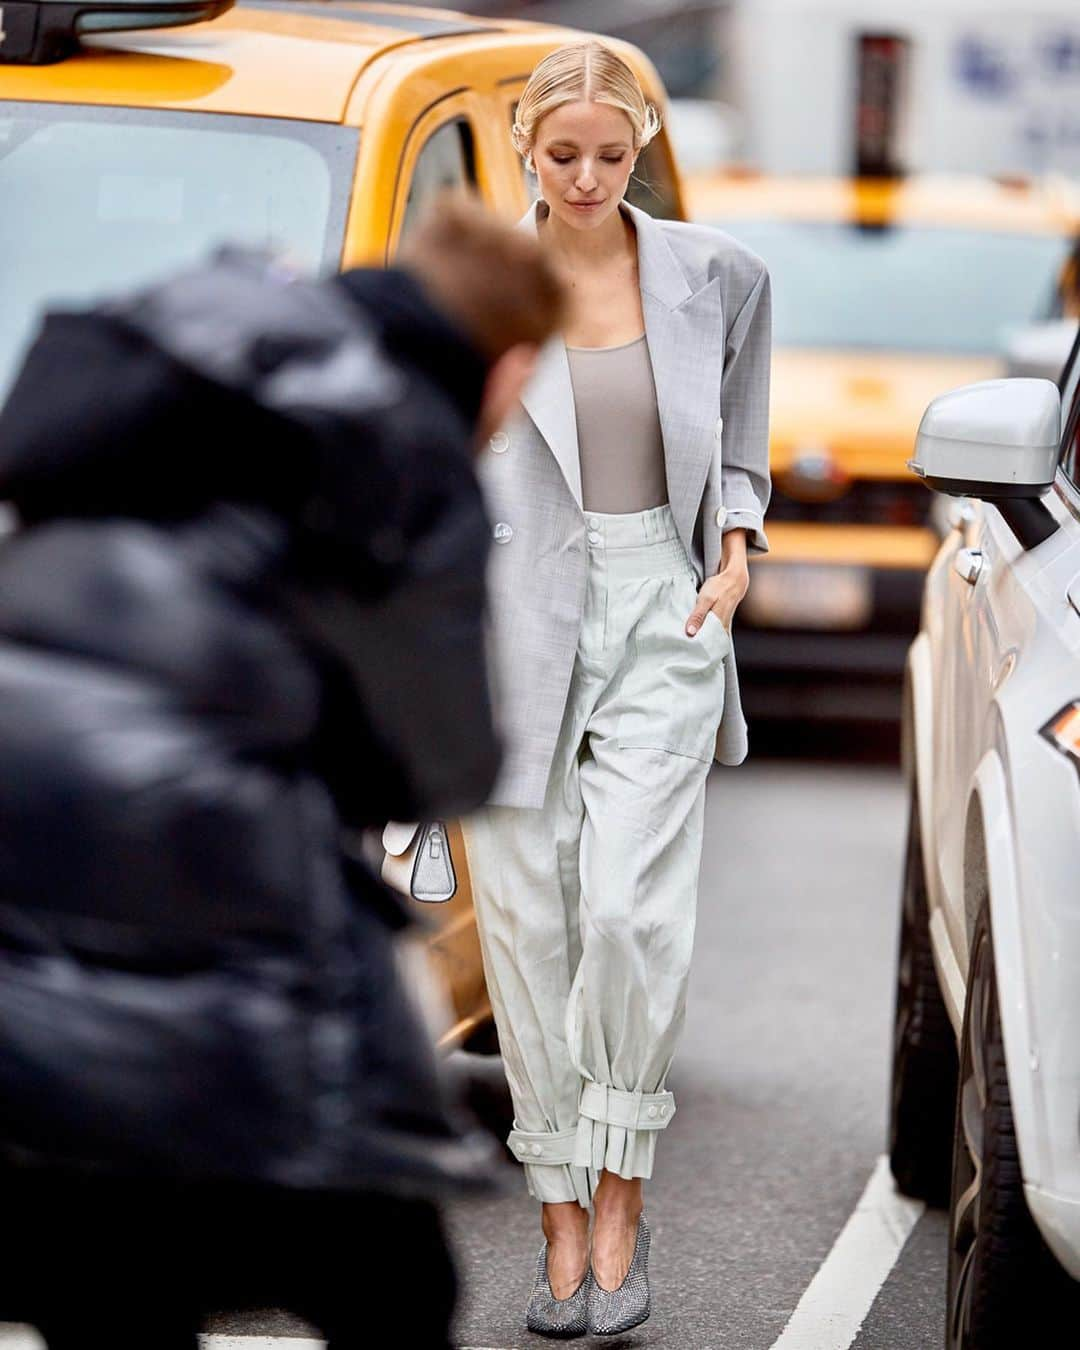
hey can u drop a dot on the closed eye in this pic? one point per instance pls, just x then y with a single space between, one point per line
607 159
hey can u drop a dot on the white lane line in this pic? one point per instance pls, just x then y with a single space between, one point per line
214 1342
15 1336
836 1301
211 1341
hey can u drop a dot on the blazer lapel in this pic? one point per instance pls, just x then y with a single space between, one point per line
548 397
549 401
685 335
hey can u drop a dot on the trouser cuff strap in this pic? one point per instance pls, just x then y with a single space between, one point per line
631 1110
540 1147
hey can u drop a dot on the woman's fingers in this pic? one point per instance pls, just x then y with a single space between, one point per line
721 596
697 615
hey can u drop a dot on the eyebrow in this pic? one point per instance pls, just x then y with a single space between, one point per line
608 145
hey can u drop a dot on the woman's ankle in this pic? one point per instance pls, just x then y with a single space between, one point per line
564 1222
618 1199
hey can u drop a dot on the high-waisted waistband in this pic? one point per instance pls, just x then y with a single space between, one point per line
636 543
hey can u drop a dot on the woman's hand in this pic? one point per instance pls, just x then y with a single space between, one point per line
722 593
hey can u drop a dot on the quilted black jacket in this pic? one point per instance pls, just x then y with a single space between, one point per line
243 609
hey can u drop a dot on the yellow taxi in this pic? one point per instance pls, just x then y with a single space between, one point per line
320 129
886 293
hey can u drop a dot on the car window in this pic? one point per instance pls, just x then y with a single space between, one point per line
1070 405
902 288
447 159
96 200
652 184
651 188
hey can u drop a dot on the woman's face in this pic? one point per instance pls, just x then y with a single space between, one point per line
584 155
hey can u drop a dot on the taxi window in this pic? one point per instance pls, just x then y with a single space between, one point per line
96 200
902 288
447 159
651 186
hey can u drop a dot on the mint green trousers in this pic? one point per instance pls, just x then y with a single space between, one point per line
586 906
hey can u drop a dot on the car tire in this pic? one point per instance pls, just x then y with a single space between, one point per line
1001 1274
924 1068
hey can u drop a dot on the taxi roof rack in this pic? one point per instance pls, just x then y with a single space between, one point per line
40 32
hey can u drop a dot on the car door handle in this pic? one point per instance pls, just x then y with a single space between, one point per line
968 563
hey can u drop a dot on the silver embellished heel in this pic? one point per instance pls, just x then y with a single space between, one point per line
612 1311
551 1316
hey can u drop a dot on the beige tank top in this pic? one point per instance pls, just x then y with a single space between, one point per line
619 438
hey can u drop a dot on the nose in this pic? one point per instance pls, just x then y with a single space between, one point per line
586 179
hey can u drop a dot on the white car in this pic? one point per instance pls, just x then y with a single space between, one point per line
986 1073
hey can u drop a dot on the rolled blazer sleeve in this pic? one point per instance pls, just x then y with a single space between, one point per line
744 398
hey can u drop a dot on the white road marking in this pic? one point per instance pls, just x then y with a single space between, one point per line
836 1301
16 1337
214 1342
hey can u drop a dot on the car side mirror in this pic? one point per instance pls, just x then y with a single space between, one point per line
997 440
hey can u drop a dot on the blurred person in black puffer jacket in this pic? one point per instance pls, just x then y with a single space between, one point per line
241 614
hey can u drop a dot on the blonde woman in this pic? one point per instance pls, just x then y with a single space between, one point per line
626 492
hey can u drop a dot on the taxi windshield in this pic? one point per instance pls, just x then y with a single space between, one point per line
96 200
902 288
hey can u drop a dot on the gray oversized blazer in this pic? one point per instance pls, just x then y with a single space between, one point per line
707 321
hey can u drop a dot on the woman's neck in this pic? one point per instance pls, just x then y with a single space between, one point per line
576 250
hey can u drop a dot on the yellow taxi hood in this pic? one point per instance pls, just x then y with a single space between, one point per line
864 408
300 60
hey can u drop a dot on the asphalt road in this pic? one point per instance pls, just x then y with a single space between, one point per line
780 1082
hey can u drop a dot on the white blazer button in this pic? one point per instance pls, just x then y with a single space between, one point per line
503 533
594 536
499 442
652 1112
537 1150
594 522
721 515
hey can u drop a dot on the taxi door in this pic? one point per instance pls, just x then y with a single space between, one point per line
426 126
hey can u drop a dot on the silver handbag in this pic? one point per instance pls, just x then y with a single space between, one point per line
417 860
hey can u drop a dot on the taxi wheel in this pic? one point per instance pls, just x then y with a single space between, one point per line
1001 1273
924 1047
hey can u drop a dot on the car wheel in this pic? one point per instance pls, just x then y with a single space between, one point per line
1000 1269
924 1047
